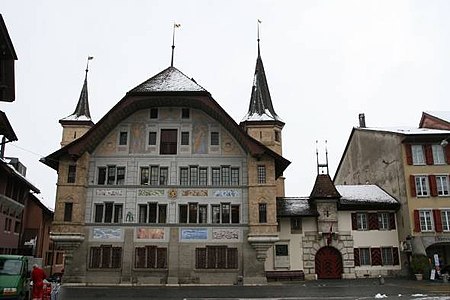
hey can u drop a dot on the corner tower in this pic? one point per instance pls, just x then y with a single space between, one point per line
78 123
261 121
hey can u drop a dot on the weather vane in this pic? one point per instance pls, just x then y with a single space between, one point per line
175 25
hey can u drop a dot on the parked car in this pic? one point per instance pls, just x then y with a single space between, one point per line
14 277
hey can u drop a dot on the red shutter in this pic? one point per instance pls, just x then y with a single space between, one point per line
354 222
392 221
375 254
416 221
433 186
373 221
408 151
447 154
412 184
437 220
356 256
396 260
428 155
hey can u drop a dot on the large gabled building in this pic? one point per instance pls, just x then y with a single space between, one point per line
167 189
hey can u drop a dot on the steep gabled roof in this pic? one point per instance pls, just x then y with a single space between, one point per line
6 129
5 41
324 188
175 90
261 107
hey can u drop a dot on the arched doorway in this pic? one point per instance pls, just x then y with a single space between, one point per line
328 263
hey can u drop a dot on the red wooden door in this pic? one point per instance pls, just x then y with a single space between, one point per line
328 263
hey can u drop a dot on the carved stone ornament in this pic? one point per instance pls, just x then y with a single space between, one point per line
172 194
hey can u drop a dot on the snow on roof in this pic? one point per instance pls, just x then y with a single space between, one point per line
266 116
407 130
294 207
364 193
443 115
169 80
74 117
17 173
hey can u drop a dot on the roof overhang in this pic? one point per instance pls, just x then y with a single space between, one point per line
6 129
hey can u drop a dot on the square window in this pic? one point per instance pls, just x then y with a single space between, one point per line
281 250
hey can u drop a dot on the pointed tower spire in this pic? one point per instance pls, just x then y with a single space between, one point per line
260 108
79 122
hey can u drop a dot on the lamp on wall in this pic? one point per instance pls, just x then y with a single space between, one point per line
444 142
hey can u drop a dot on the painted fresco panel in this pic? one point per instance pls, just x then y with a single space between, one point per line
109 234
143 233
194 234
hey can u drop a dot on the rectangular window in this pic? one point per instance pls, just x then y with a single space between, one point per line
364 256
422 189
163 175
225 175
296 224
111 175
277 136
361 221
203 176
17 227
383 221
143 213
150 257
216 257
185 138
281 250
418 156
71 174
193 175
152 213
262 213
105 257
154 175
152 138
68 207
184 176
215 213
225 207
101 179
123 138
442 185
193 209
438 155
185 113
203 214
214 138
162 213
261 174
120 176
108 212
153 113
145 175
234 176
215 176
168 144
426 223
183 217
235 214
445 219
387 256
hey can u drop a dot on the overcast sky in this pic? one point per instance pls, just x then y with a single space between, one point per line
325 61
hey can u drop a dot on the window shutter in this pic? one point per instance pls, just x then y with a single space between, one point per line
375 254
412 185
396 260
437 220
428 155
408 151
416 221
161 258
447 154
356 256
200 262
433 186
354 222
373 221
392 221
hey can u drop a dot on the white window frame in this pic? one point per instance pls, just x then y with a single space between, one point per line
438 155
387 256
418 155
364 257
445 219
426 220
362 222
422 186
383 221
442 185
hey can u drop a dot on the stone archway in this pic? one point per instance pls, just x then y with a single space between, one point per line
328 263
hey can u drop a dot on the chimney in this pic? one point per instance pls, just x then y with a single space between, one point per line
362 121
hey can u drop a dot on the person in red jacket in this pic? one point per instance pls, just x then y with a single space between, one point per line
37 276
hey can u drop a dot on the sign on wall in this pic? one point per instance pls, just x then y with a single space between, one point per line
194 234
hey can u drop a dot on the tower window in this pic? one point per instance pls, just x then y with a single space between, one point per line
262 213
153 113
123 138
71 175
277 136
185 113
68 207
261 174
